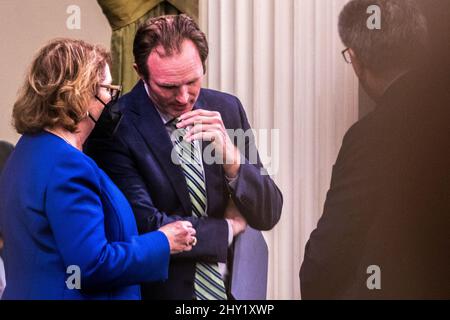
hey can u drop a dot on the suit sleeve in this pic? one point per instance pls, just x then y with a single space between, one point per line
255 193
114 157
76 216
333 250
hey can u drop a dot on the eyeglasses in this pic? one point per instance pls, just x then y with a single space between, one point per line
347 56
114 90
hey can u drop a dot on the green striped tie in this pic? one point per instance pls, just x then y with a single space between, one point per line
208 283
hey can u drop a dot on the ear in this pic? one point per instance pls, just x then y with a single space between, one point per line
356 63
135 67
365 75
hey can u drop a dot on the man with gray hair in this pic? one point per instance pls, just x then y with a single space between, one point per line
384 230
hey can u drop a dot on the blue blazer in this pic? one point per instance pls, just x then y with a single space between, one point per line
138 160
59 209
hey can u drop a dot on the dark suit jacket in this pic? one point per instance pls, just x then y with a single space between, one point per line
389 202
5 150
138 159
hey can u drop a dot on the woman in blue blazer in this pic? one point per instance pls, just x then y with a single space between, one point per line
69 232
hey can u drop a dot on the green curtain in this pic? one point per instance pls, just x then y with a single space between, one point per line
125 16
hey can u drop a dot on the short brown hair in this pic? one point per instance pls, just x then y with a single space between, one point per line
63 78
169 32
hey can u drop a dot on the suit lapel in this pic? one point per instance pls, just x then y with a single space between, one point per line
149 124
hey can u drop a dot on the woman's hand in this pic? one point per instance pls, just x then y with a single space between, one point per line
181 236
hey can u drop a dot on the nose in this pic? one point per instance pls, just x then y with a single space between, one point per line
183 95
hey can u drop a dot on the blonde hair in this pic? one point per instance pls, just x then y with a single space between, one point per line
63 78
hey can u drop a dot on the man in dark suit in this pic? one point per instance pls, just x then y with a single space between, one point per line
5 150
384 232
173 159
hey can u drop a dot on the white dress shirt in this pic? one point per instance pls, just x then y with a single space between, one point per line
2 278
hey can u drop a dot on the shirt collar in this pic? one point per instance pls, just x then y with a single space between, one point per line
165 118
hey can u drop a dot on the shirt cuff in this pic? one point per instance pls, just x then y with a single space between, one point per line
230 233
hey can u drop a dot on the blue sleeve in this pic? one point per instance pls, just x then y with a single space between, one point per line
76 216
